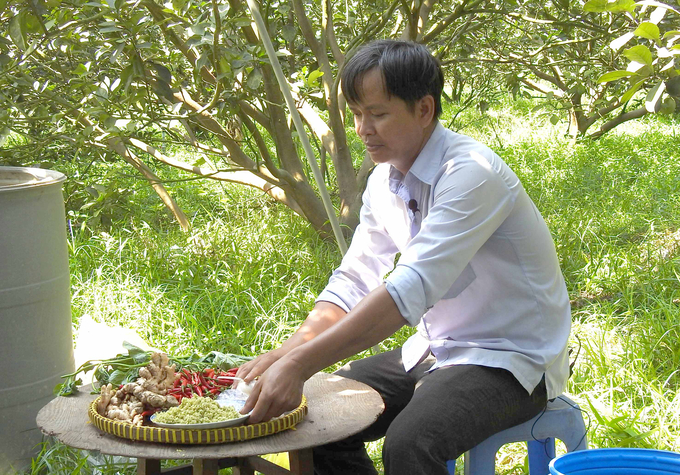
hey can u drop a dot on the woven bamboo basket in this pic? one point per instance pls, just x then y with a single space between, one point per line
196 436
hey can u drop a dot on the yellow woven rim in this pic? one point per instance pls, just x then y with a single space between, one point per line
198 436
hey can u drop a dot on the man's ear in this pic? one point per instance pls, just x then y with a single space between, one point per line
425 110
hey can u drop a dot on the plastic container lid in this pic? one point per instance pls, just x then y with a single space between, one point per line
15 178
617 461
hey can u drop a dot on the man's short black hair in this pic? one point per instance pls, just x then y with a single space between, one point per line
409 72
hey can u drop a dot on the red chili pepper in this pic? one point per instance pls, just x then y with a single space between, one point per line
202 381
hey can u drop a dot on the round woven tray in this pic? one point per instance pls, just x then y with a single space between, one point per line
196 436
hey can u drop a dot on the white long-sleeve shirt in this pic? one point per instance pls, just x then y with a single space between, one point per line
478 272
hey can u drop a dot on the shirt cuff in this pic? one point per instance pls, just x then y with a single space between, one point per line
406 288
328 296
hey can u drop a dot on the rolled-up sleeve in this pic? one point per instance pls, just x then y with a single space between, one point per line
369 258
470 201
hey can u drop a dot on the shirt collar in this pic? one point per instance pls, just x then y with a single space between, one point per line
423 167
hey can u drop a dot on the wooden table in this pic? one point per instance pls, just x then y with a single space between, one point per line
338 407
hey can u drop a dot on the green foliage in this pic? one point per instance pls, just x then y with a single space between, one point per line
652 62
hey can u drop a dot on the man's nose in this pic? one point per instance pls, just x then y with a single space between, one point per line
364 127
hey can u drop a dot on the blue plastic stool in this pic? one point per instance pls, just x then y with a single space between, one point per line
561 420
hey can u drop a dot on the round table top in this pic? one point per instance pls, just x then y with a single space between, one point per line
338 407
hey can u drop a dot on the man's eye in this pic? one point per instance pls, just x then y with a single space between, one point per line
382 114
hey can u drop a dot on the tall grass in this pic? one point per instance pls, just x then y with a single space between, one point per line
247 273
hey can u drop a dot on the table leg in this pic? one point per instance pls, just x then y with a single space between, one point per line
242 468
205 467
301 462
148 466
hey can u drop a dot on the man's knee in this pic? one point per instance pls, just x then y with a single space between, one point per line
411 438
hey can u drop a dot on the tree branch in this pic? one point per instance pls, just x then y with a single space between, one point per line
328 28
634 114
457 13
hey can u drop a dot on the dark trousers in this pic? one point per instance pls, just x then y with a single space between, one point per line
429 418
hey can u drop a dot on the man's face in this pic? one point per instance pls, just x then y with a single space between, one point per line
391 131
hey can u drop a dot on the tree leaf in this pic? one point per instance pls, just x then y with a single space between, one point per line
640 54
648 30
595 6
288 32
628 95
668 106
653 101
17 31
313 76
254 78
614 75
621 6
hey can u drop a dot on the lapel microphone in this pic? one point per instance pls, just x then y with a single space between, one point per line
413 205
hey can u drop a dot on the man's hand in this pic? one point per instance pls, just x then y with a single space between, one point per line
278 390
256 367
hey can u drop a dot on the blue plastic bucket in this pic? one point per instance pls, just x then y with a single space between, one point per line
617 462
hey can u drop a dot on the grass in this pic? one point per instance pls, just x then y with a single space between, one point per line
245 276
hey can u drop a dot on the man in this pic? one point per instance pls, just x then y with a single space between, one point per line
478 275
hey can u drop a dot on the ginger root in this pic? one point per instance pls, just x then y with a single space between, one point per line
149 392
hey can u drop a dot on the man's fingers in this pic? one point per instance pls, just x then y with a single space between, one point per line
261 409
252 400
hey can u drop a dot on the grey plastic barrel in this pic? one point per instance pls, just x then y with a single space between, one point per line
36 345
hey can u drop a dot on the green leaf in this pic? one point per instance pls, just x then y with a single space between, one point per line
628 95
595 6
102 375
288 32
668 106
671 35
621 6
80 70
31 23
117 377
133 349
17 31
653 101
68 387
226 361
614 75
313 76
648 30
254 78
640 54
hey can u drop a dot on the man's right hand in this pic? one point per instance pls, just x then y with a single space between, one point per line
256 367
323 316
